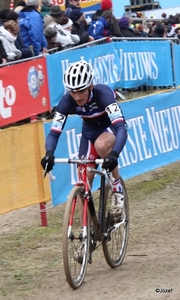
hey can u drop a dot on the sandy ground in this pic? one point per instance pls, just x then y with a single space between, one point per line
151 268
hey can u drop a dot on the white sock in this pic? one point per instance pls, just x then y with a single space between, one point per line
117 186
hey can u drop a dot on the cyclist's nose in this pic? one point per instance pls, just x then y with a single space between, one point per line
77 96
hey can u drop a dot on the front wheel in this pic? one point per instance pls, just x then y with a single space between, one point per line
75 245
116 230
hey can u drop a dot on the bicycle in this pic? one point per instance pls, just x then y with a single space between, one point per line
86 227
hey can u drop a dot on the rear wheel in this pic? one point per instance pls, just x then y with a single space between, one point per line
116 230
75 245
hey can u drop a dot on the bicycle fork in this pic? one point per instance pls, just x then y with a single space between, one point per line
98 222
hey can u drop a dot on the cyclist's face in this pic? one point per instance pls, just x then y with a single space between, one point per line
81 97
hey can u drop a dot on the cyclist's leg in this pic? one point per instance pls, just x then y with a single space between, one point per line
90 154
87 150
99 142
103 145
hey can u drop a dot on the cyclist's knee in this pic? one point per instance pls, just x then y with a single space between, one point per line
104 144
103 148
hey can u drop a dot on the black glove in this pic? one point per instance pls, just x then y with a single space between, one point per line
47 162
111 161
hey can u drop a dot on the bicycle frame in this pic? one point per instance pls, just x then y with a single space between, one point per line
83 181
88 199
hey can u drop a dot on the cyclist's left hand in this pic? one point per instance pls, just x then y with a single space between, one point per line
111 161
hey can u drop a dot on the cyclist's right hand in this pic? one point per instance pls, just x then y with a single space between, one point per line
47 162
110 161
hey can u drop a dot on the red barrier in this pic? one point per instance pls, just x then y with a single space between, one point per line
23 91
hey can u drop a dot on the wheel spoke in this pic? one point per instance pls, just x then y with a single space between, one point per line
116 233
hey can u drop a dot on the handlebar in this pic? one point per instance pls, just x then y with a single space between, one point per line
78 161
83 161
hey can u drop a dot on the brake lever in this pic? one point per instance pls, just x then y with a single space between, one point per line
45 170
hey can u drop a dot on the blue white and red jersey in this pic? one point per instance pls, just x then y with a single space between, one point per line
101 113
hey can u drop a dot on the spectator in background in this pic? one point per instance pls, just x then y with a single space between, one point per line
177 18
45 8
126 30
3 55
159 31
79 26
66 3
3 13
73 4
26 51
114 27
31 27
50 34
66 40
100 28
66 24
8 34
164 15
20 6
170 31
149 29
172 19
142 32
139 14
177 32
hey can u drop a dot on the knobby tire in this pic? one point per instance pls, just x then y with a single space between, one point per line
74 268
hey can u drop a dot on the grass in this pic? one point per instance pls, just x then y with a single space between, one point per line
31 254
28 253
138 187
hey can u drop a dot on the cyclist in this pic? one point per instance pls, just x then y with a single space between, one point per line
104 130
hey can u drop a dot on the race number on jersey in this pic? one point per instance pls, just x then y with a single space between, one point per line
58 122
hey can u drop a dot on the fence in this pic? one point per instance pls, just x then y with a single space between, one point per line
22 182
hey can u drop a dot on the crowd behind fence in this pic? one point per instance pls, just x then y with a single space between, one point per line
94 43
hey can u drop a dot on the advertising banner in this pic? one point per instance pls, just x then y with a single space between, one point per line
176 65
153 141
23 91
153 133
118 64
144 63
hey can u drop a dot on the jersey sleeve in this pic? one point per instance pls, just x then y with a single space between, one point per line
118 122
116 117
64 108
